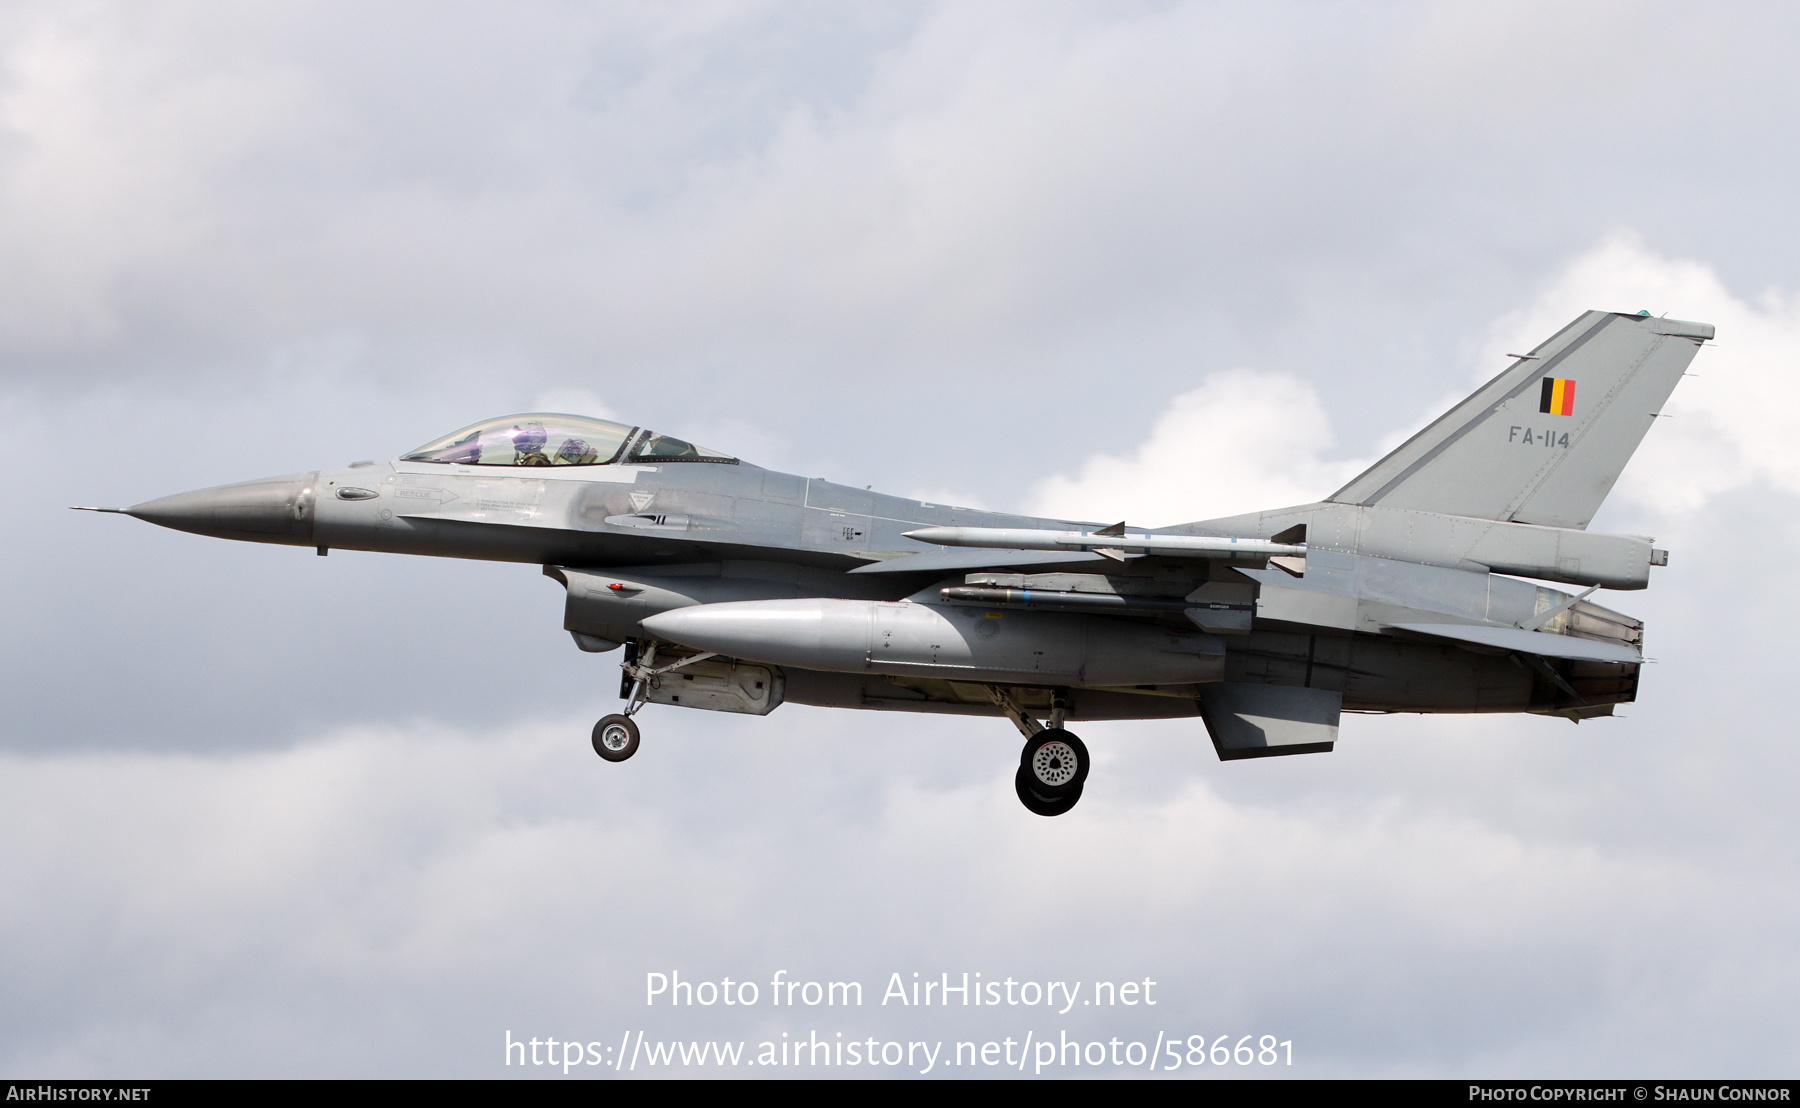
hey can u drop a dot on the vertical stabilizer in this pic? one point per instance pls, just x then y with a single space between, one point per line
1544 441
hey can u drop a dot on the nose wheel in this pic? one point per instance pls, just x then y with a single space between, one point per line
615 738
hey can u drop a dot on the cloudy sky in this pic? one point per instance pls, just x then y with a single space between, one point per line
263 813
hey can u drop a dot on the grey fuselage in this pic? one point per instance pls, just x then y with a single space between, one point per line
632 541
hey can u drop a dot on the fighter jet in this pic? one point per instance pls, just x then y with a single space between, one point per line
728 587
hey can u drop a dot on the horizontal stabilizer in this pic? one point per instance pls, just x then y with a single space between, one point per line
1541 643
1259 721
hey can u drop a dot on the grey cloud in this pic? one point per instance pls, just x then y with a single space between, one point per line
986 200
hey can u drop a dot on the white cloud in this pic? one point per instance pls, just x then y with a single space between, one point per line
1248 440
1243 441
389 901
1729 427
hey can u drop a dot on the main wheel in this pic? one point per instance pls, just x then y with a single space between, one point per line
615 738
1055 761
1041 805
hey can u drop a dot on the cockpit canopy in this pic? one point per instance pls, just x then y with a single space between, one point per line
549 439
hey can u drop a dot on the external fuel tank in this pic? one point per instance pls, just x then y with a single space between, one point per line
948 641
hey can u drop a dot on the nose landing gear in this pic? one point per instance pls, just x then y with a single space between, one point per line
616 736
1054 764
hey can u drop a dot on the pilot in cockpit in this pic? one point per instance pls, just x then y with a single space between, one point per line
576 452
529 441
524 440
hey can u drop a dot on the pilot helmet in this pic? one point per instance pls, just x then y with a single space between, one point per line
575 452
530 438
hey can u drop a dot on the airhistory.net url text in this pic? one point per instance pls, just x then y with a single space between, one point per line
1168 1053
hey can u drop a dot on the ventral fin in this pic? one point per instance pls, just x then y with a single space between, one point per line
1293 567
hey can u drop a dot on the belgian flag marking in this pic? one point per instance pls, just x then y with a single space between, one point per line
1558 397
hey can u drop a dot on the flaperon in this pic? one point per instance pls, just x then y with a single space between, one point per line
735 588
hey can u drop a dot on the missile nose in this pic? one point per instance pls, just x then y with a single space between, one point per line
273 509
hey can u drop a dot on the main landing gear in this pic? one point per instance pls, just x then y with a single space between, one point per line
1051 772
1054 764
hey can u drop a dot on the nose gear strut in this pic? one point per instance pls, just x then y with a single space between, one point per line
616 736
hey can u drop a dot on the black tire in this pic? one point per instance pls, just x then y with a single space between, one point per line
615 738
1041 805
1056 763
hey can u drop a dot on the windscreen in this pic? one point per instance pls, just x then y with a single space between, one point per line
664 448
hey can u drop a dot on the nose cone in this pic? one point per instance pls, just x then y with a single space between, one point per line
274 509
